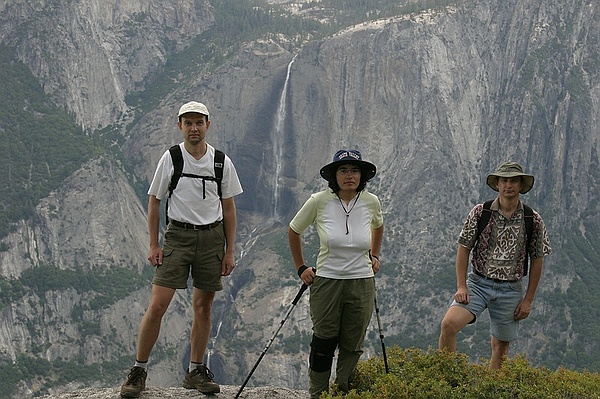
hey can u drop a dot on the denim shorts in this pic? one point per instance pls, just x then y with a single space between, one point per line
186 251
500 298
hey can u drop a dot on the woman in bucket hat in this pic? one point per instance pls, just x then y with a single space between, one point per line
501 248
349 223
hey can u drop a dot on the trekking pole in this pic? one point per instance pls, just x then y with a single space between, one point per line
294 302
385 360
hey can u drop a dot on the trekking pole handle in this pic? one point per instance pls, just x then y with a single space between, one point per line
303 288
299 294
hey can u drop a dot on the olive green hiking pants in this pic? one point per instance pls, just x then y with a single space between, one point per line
340 310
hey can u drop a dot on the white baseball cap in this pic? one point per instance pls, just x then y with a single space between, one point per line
193 106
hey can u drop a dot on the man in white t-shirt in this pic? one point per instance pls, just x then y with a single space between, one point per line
199 240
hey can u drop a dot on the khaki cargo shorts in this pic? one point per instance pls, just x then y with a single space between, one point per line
197 251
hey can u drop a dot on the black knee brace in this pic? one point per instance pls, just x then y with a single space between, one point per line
321 353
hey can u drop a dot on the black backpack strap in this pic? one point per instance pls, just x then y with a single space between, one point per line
177 159
219 161
529 232
484 219
219 164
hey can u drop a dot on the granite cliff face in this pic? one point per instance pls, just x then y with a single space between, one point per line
436 99
89 55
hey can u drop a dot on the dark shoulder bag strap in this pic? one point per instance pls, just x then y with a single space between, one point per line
529 232
484 219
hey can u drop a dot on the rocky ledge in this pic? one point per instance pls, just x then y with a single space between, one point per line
227 391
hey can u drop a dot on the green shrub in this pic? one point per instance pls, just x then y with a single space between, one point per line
417 374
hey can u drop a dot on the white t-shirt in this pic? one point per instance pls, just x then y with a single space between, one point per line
343 251
188 203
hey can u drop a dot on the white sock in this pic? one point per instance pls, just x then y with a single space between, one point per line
143 365
193 365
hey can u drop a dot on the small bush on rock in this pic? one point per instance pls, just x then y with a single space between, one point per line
417 374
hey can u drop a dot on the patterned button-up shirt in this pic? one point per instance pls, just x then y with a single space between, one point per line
500 252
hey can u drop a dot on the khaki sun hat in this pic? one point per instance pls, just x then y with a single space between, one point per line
195 107
510 169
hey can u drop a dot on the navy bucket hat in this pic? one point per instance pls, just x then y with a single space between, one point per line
343 157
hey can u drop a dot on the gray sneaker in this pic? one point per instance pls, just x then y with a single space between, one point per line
135 384
201 379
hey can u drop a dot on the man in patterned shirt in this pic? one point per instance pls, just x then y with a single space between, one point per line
499 263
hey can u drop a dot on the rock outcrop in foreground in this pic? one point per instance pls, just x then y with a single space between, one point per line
227 391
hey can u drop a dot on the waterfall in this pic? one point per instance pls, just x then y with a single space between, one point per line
278 136
213 340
